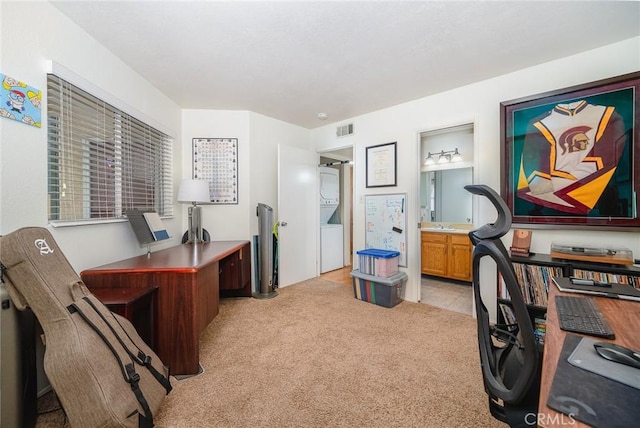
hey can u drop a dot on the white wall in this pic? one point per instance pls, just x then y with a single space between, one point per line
266 134
478 103
258 139
25 50
31 35
223 222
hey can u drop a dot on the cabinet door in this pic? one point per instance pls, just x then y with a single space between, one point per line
434 253
230 272
424 246
460 257
245 268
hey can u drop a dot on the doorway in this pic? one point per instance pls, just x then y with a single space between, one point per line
342 160
446 215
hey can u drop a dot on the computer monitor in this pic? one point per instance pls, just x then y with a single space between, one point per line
147 226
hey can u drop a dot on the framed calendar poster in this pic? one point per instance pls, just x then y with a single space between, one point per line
216 160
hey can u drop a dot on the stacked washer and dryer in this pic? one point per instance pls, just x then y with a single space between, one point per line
331 234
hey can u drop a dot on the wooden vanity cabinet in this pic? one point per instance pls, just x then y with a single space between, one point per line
447 255
460 257
434 253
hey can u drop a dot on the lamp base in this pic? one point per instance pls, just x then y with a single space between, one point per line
194 231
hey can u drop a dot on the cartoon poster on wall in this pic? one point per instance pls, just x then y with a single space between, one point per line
20 102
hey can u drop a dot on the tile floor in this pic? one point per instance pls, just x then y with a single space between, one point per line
448 295
443 294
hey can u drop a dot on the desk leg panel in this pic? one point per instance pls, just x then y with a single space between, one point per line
207 286
177 325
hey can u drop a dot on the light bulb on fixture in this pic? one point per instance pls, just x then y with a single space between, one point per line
444 158
457 157
429 160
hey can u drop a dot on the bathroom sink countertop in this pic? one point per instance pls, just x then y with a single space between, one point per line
444 230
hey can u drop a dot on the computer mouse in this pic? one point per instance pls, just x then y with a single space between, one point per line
618 353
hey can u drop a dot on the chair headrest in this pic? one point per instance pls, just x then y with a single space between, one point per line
502 224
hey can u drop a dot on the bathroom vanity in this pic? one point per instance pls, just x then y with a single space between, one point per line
446 252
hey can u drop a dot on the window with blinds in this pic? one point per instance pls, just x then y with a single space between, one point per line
102 161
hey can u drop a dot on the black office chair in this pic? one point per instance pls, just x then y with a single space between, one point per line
509 355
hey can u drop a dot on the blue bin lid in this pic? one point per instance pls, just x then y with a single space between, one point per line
375 252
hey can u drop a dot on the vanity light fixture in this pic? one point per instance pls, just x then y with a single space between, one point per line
445 156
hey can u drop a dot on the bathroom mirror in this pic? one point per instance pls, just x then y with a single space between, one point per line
443 198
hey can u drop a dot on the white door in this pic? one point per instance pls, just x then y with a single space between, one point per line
298 203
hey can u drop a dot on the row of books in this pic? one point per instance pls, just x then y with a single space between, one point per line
533 281
608 277
539 323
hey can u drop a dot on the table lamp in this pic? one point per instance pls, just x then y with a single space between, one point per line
194 192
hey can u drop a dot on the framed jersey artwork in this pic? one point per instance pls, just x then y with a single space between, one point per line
571 158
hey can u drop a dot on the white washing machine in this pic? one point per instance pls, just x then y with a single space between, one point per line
331 247
331 234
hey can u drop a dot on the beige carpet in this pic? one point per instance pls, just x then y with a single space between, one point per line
314 356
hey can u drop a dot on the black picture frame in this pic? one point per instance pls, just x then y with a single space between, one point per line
381 165
570 158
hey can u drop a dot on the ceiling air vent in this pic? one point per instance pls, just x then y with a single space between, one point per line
344 130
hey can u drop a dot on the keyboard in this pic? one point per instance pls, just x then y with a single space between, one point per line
581 315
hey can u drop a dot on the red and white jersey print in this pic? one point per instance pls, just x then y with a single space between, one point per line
570 155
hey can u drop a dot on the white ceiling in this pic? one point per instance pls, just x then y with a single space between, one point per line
293 60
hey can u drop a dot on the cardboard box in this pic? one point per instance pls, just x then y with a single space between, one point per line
380 291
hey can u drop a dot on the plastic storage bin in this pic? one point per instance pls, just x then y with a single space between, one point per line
373 261
380 291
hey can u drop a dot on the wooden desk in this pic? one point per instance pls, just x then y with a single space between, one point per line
138 305
624 318
187 277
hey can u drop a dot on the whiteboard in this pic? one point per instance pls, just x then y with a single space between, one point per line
385 223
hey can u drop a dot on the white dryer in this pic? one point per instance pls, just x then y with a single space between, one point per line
329 193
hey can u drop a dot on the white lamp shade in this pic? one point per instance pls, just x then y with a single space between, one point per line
194 191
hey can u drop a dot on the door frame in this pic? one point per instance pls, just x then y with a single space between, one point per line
341 158
474 164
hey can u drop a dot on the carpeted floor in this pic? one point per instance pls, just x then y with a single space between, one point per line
314 356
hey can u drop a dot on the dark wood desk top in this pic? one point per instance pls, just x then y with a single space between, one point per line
622 315
186 257
121 296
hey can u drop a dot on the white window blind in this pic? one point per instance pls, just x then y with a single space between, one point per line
102 161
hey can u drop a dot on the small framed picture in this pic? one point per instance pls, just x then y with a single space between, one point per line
381 165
